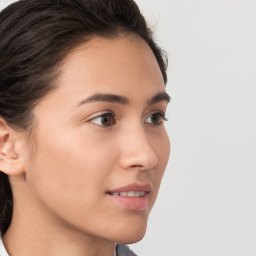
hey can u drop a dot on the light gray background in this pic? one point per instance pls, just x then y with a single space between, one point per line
207 202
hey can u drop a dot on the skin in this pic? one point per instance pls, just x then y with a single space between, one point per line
61 205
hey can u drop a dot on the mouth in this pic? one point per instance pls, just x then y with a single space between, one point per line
132 197
128 194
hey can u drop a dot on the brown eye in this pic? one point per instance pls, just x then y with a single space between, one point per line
106 119
156 118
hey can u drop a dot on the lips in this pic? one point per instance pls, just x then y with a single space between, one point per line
132 197
132 187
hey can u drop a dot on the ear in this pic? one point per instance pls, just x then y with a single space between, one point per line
11 163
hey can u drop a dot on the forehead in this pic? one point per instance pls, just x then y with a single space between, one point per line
106 63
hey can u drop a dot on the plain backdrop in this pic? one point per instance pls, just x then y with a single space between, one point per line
207 202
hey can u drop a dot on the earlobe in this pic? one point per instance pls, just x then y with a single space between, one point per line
10 161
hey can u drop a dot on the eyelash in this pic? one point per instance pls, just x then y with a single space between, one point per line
160 115
107 114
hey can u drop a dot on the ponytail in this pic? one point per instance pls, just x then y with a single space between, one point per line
6 203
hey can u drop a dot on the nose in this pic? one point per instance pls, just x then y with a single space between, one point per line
137 152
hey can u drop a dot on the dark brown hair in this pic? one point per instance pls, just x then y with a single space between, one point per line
35 38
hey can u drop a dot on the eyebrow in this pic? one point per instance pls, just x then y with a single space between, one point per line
113 98
162 96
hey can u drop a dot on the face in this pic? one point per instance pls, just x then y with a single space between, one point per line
101 145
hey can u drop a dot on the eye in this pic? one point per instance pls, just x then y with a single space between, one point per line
156 118
106 119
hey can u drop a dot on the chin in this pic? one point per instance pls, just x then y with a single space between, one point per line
130 238
131 233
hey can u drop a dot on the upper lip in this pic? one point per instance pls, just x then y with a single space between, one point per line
132 187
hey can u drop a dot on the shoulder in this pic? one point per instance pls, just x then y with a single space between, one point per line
123 250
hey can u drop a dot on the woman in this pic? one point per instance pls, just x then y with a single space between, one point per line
83 145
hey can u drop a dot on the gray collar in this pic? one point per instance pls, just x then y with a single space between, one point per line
123 250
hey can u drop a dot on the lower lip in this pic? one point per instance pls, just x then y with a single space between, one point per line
131 203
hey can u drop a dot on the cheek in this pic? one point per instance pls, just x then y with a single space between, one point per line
67 165
161 145
68 178
163 151
162 148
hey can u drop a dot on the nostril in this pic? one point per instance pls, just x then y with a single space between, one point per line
136 166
